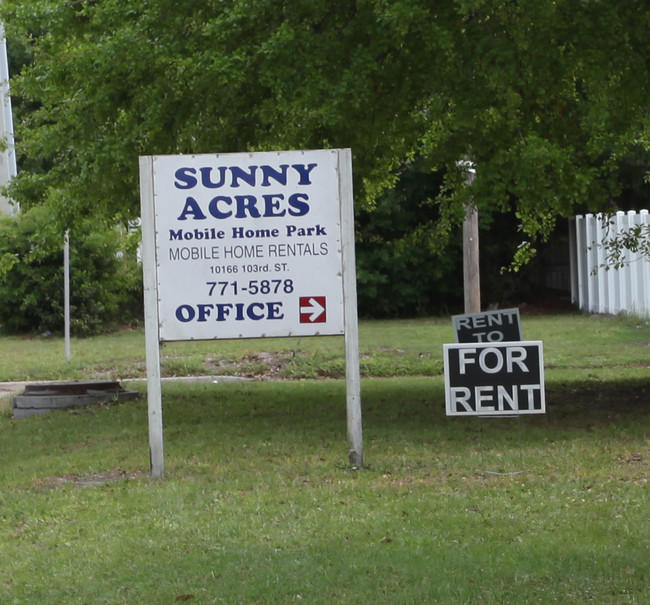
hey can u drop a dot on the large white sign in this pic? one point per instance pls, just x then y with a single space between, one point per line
248 245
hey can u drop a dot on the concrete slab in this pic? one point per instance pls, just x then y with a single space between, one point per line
40 397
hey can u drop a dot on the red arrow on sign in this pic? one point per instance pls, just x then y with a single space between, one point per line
312 309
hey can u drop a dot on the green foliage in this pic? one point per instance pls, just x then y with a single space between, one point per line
105 280
408 265
403 270
547 97
617 244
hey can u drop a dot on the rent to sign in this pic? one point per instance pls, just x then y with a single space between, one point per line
494 378
488 326
248 245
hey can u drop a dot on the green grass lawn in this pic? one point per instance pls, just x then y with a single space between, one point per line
259 505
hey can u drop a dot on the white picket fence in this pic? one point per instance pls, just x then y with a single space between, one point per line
595 289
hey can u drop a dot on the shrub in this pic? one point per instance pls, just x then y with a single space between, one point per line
402 271
105 278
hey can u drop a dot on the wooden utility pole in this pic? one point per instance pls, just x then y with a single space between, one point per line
471 272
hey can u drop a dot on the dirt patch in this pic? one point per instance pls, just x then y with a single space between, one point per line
264 365
89 479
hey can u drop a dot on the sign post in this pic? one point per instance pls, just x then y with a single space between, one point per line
66 293
151 319
249 245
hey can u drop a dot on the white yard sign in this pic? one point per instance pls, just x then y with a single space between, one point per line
249 245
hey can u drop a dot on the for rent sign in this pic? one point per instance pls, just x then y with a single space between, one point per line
494 378
248 245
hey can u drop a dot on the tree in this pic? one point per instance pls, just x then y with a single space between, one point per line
401 271
548 98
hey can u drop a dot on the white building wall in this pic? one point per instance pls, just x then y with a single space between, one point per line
8 153
596 288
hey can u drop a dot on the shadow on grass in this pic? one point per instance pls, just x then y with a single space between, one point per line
405 406
403 418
